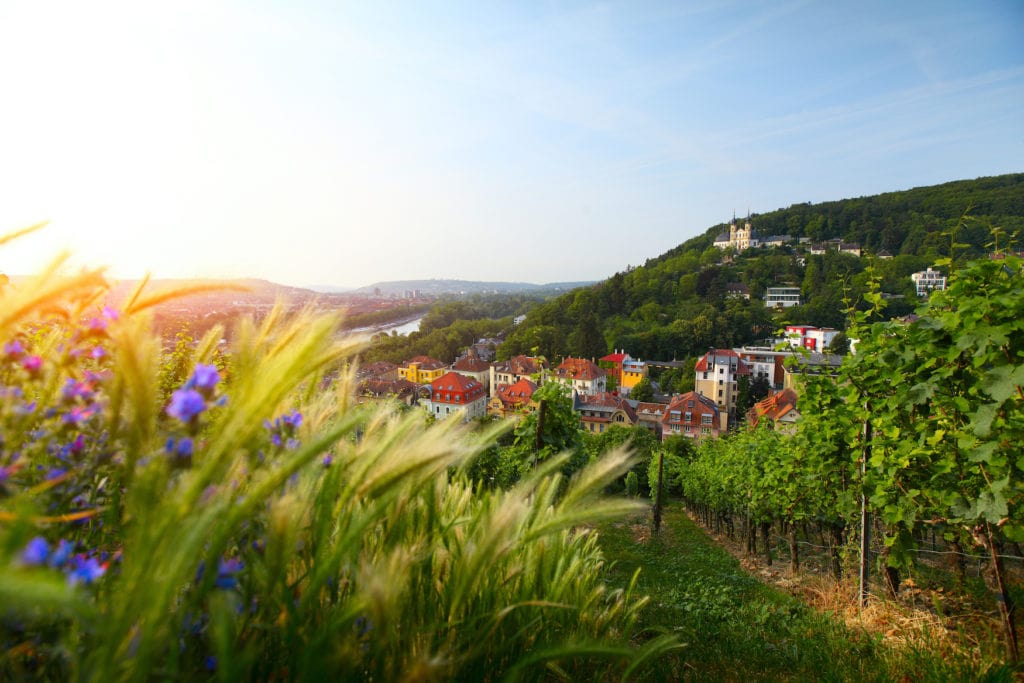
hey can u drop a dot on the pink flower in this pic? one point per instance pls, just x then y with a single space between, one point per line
32 364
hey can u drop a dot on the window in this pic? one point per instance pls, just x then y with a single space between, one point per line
458 398
719 393
689 416
705 419
689 404
705 430
705 375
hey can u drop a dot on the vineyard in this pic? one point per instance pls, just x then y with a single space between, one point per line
913 450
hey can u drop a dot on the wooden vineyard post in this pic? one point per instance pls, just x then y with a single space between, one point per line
865 521
658 492
1003 598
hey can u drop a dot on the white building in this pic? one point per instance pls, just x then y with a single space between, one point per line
927 280
782 297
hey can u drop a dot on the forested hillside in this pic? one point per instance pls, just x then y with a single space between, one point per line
678 304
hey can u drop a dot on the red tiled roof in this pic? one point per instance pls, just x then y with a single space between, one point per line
471 364
616 357
521 365
607 400
774 407
579 368
701 404
453 381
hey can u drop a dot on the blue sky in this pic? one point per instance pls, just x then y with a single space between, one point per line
345 143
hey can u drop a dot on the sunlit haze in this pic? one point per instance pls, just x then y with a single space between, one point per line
345 143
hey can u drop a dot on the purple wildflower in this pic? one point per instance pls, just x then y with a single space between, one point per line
78 414
186 404
24 408
328 459
14 350
204 379
36 552
98 352
74 390
111 313
78 445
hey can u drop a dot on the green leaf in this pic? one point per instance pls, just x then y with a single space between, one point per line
981 423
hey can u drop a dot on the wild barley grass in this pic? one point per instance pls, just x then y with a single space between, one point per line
271 529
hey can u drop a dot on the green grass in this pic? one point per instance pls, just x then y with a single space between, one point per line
736 628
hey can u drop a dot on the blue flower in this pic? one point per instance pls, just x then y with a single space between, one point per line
85 570
204 379
61 553
186 404
226 570
36 552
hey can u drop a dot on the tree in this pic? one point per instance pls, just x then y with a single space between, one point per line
642 391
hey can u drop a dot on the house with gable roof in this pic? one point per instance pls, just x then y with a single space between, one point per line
453 394
512 400
779 410
516 368
581 375
649 415
472 366
694 416
600 411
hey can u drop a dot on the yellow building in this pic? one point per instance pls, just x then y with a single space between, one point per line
632 372
421 370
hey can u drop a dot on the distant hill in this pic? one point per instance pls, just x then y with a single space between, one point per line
464 287
680 303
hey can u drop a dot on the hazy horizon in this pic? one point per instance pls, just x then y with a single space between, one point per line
345 144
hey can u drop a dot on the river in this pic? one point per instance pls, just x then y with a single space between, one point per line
401 328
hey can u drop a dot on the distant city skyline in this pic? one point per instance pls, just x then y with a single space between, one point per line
324 143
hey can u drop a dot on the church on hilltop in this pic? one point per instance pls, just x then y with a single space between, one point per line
739 238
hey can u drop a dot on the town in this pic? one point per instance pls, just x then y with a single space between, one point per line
748 384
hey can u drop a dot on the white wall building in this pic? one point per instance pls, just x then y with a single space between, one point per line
927 280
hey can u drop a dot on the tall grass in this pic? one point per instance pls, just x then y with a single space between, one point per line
260 526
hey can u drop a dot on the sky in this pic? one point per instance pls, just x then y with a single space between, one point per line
345 143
